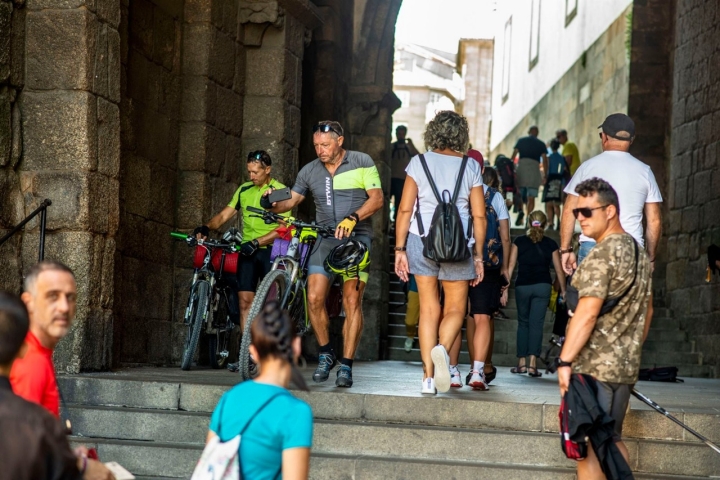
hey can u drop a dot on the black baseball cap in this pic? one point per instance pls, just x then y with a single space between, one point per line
618 122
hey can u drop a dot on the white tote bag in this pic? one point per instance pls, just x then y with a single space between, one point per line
221 460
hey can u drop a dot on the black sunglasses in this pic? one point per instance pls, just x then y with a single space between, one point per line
325 128
586 212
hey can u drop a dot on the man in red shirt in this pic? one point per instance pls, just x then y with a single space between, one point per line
50 296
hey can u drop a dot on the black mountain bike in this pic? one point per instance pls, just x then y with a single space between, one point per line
287 281
213 305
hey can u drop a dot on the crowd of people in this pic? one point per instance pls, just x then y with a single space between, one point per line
453 248
607 287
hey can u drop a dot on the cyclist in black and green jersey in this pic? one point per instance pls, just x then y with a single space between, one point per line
254 262
346 187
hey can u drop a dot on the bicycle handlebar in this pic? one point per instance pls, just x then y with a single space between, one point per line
274 217
191 240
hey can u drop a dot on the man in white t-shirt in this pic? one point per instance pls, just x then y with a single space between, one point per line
634 183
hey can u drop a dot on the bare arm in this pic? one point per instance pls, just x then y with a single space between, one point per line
568 161
402 226
477 209
286 205
513 259
648 318
268 238
567 227
219 220
577 335
505 239
372 204
580 327
559 272
295 463
653 215
515 152
545 164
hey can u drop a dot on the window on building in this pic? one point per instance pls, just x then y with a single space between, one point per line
534 33
404 97
571 7
506 60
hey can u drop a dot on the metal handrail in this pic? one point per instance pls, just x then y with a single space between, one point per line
42 210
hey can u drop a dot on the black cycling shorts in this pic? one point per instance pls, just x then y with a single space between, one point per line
485 296
252 269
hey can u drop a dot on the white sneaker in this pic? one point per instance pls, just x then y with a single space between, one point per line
428 386
477 381
408 345
455 379
441 361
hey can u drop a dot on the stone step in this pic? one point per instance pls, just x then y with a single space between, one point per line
178 461
539 449
665 323
168 443
664 359
651 346
659 334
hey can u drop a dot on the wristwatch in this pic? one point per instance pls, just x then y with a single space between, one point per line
562 363
566 250
400 249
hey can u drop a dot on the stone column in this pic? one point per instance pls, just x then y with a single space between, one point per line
275 36
71 148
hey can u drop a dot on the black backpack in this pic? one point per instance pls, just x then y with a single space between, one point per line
445 241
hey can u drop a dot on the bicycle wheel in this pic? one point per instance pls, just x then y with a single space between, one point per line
298 312
272 288
219 342
197 318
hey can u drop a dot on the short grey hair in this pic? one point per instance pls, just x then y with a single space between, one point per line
35 271
447 130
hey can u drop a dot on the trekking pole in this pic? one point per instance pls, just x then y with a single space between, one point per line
657 407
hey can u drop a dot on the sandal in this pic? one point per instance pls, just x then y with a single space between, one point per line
536 374
521 369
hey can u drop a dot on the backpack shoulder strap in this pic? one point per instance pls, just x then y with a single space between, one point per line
262 407
430 179
459 179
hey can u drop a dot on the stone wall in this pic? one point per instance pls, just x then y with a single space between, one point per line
693 221
594 87
12 81
150 111
70 154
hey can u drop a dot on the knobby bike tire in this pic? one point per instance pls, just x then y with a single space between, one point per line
274 285
200 307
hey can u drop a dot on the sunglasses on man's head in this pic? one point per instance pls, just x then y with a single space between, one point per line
257 156
586 212
325 128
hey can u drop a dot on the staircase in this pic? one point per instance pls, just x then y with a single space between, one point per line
154 422
667 344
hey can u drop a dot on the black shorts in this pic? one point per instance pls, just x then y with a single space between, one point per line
252 269
614 399
485 296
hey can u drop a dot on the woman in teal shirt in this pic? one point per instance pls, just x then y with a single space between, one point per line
278 433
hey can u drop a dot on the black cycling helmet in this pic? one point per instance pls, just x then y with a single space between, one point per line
349 258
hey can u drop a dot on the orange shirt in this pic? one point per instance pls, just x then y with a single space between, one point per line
33 376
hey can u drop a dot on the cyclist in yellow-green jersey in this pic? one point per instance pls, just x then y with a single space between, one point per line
254 262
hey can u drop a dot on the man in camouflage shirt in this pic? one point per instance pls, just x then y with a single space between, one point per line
607 347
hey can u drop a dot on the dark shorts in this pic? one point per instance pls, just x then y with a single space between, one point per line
485 296
553 189
252 269
614 399
322 249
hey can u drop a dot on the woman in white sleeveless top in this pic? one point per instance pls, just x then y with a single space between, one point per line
447 138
